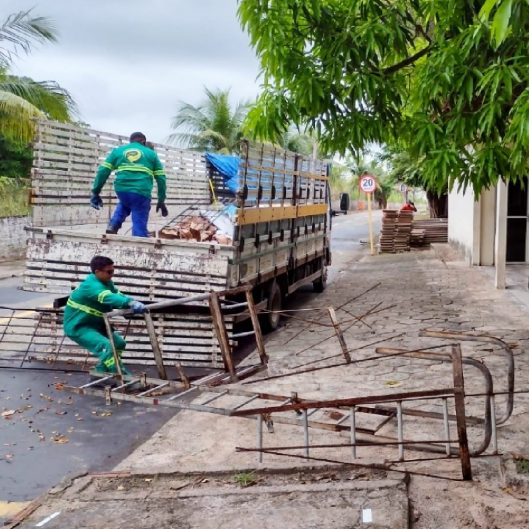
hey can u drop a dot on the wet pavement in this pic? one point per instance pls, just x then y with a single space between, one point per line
52 433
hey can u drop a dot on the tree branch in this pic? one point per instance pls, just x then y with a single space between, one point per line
407 61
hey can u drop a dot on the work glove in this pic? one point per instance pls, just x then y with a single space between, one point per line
95 201
138 307
162 207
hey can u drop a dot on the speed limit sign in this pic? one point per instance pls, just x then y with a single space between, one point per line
368 183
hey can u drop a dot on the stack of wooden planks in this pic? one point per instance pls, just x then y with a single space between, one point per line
403 231
399 231
387 232
417 237
435 230
395 232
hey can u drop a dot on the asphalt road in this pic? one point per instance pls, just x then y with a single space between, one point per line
46 434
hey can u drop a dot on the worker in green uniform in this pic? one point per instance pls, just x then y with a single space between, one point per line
136 166
83 314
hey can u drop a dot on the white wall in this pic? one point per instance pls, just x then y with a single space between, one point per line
13 237
461 221
488 226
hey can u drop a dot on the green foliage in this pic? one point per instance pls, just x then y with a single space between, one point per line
212 126
522 465
22 99
20 30
13 197
295 141
15 159
340 180
447 80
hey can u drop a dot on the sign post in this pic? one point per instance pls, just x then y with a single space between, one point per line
368 184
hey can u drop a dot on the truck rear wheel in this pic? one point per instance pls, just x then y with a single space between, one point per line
320 283
270 320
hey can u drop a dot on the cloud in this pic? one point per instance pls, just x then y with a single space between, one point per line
128 64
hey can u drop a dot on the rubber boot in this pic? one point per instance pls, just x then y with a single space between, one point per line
124 370
110 364
100 367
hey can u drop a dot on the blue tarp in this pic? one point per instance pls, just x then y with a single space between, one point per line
228 167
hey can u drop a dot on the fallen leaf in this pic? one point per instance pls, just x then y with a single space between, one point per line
7 414
392 383
60 439
102 413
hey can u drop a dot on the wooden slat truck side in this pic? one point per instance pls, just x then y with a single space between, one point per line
281 239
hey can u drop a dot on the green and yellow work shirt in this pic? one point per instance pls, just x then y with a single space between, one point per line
136 169
89 301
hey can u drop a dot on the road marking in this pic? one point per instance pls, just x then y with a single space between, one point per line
367 515
48 519
8 509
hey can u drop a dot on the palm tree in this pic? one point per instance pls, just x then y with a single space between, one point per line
21 98
304 143
212 126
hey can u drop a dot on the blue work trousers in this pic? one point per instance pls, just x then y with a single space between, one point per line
132 204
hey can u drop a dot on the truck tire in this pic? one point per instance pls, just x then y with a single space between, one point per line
270 321
320 283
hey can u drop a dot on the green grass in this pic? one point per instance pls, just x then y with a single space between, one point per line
245 479
14 197
522 465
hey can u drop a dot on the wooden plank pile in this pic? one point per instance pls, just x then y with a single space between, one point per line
417 237
435 230
403 231
396 231
387 232
400 232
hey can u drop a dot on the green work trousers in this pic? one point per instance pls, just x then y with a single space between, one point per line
96 341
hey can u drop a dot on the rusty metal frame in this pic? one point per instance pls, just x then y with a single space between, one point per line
489 427
467 336
457 392
219 326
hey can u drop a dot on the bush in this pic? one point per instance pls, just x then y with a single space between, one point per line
14 197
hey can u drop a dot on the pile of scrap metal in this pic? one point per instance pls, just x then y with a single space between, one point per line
197 228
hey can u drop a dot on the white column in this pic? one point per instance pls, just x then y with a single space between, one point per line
500 242
476 232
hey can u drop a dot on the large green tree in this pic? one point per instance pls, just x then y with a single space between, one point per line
215 125
446 79
22 99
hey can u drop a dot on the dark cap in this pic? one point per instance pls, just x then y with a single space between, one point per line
138 137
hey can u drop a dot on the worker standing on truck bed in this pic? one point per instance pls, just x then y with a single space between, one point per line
136 167
83 314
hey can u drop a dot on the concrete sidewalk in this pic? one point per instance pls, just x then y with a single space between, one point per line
12 269
385 300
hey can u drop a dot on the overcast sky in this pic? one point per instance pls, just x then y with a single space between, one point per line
128 63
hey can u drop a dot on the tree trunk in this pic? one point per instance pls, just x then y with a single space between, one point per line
438 205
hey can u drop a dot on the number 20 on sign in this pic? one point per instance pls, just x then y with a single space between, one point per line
368 184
